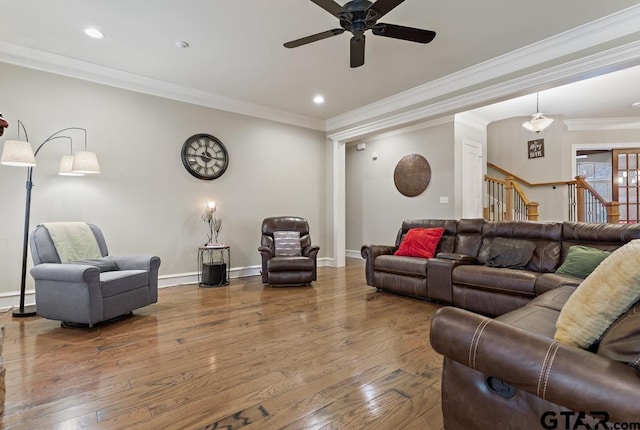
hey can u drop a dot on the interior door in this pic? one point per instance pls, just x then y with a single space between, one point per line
472 179
626 167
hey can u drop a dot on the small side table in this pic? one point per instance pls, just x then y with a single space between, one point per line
214 265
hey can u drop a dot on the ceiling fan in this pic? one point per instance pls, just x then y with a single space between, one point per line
358 16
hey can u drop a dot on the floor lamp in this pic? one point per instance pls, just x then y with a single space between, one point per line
20 153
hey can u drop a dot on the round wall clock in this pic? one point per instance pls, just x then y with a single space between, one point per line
204 156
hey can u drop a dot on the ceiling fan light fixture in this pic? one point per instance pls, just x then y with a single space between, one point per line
537 123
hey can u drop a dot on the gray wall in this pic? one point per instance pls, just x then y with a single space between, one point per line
144 200
375 209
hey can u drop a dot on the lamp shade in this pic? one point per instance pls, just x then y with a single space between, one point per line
85 162
538 123
17 153
66 166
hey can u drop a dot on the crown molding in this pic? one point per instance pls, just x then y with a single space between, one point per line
473 120
612 59
65 66
590 35
594 124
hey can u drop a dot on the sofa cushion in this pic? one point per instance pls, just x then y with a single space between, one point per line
420 242
581 261
621 341
279 264
113 283
506 281
551 281
287 243
608 292
411 266
546 256
510 253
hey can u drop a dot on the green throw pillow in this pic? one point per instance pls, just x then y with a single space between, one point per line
581 261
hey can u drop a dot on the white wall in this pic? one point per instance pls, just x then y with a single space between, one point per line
144 200
375 209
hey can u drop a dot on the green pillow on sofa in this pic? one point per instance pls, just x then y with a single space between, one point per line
608 292
581 261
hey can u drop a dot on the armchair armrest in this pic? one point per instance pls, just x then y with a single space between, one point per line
66 273
369 253
266 252
311 251
568 376
137 262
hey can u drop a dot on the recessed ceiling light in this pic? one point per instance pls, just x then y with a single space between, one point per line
635 105
319 99
182 44
94 33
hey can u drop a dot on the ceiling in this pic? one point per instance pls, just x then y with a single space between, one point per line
236 53
609 96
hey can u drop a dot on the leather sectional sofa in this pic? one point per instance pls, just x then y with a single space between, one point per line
502 367
459 275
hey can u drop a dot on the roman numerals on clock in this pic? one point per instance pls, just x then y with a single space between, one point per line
205 156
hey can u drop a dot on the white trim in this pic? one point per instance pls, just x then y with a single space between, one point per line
352 253
339 202
590 35
611 59
473 120
590 124
404 130
11 299
65 66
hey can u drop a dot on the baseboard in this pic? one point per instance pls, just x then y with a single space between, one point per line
352 253
11 299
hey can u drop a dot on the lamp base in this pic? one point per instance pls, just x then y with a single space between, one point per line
28 311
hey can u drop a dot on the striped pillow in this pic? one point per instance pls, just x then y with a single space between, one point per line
287 243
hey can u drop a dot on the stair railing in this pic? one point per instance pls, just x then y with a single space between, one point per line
590 206
506 200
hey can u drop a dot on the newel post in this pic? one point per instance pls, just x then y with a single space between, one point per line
613 212
509 198
580 207
532 211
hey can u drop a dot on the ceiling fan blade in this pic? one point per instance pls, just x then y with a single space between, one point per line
384 6
333 8
357 51
404 33
314 38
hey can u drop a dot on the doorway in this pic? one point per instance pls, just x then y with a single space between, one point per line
625 190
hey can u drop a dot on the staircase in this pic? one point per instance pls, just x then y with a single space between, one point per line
506 200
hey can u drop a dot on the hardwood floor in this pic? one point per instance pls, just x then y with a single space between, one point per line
338 355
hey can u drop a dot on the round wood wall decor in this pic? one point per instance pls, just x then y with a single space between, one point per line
412 175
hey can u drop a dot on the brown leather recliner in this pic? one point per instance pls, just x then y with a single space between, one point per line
293 264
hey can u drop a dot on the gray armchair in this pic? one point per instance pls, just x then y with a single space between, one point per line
294 262
93 290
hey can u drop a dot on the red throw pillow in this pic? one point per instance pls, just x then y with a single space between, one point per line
420 242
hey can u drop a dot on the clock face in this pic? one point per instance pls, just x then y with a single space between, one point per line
204 156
